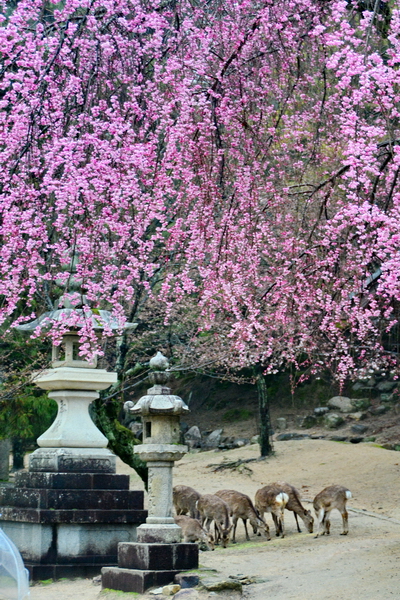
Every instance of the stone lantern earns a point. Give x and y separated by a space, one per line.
158 554
68 513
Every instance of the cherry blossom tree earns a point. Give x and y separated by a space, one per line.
242 157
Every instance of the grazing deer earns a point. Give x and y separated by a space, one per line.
192 531
215 509
272 499
184 499
296 506
241 507
333 496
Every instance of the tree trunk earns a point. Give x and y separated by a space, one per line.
5 447
266 448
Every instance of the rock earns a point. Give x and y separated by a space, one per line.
170 590
186 580
359 385
226 584
341 403
347 405
378 410
308 422
317 437
372 438
333 420
214 439
239 443
360 403
284 437
386 397
357 416
386 386
358 428
356 440
321 410
188 594
338 438
193 437
156 591
96 580
281 424
255 439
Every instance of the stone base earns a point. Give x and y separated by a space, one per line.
72 460
132 580
159 533
70 524
142 566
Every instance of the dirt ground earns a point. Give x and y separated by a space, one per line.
365 564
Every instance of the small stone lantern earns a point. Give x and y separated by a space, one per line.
158 555
160 411
73 442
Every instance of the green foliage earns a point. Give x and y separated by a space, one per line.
25 410
121 440
237 414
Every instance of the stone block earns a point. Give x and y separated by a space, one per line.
72 481
163 557
133 580
70 499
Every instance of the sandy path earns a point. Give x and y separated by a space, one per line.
365 564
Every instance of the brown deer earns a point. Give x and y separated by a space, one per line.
272 499
192 531
241 507
296 506
333 496
184 499
215 509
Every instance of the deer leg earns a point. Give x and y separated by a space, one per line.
297 522
282 523
327 523
277 524
234 521
345 517
245 528
321 517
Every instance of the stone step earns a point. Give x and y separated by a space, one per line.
71 499
72 481
45 516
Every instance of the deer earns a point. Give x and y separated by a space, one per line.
213 508
333 496
241 507
184 499
192 531
296 506
272 499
